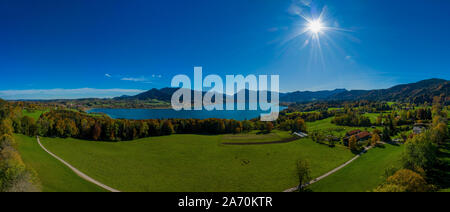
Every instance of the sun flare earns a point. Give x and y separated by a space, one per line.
315 26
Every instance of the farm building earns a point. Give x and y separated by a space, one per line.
360 136
354 132
419 128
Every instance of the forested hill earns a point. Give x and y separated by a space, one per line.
307 96
164 94
418 92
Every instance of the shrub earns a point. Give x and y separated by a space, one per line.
404 180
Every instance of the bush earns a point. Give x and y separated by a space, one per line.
420 151
404 180
13 173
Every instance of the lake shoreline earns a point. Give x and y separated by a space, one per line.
169 113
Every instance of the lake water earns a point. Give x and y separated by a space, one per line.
141 114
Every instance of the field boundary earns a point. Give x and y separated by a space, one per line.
78 172
286 140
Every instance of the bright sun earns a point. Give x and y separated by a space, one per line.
315 26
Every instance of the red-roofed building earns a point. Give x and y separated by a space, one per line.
360 136
354 132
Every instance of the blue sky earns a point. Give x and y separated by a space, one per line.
86 48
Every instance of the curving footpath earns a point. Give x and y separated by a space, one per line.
78 172
328 173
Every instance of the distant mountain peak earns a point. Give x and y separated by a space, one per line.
420 91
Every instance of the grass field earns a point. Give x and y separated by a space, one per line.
54 176
256 137
364 174
390 103
195 163
445 190
335 108
372 116
323 124
35 114
326 125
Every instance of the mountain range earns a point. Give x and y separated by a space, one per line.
419 92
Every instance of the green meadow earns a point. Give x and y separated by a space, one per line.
372 116
34 114
364 174
195 163
325 125
53 175
203 163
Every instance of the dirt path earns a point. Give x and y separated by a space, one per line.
330 172
78 172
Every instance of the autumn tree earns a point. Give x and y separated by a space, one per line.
375 139
353 143
167 128
6 140
6 127
404 180
303 172
71 129
269 127
60 128
28 126
420 151
14 175
143 129
379 120
299 125
96 132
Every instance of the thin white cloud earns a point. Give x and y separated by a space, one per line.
273 29
66 93
299 7
156 76
134 79
108 75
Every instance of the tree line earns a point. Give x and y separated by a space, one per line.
15 176
351 118
65 123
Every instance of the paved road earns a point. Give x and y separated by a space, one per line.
78 172
329 173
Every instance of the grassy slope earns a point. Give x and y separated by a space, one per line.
325 124
364 174
195 163
390 103
372 116
35 115
54 176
